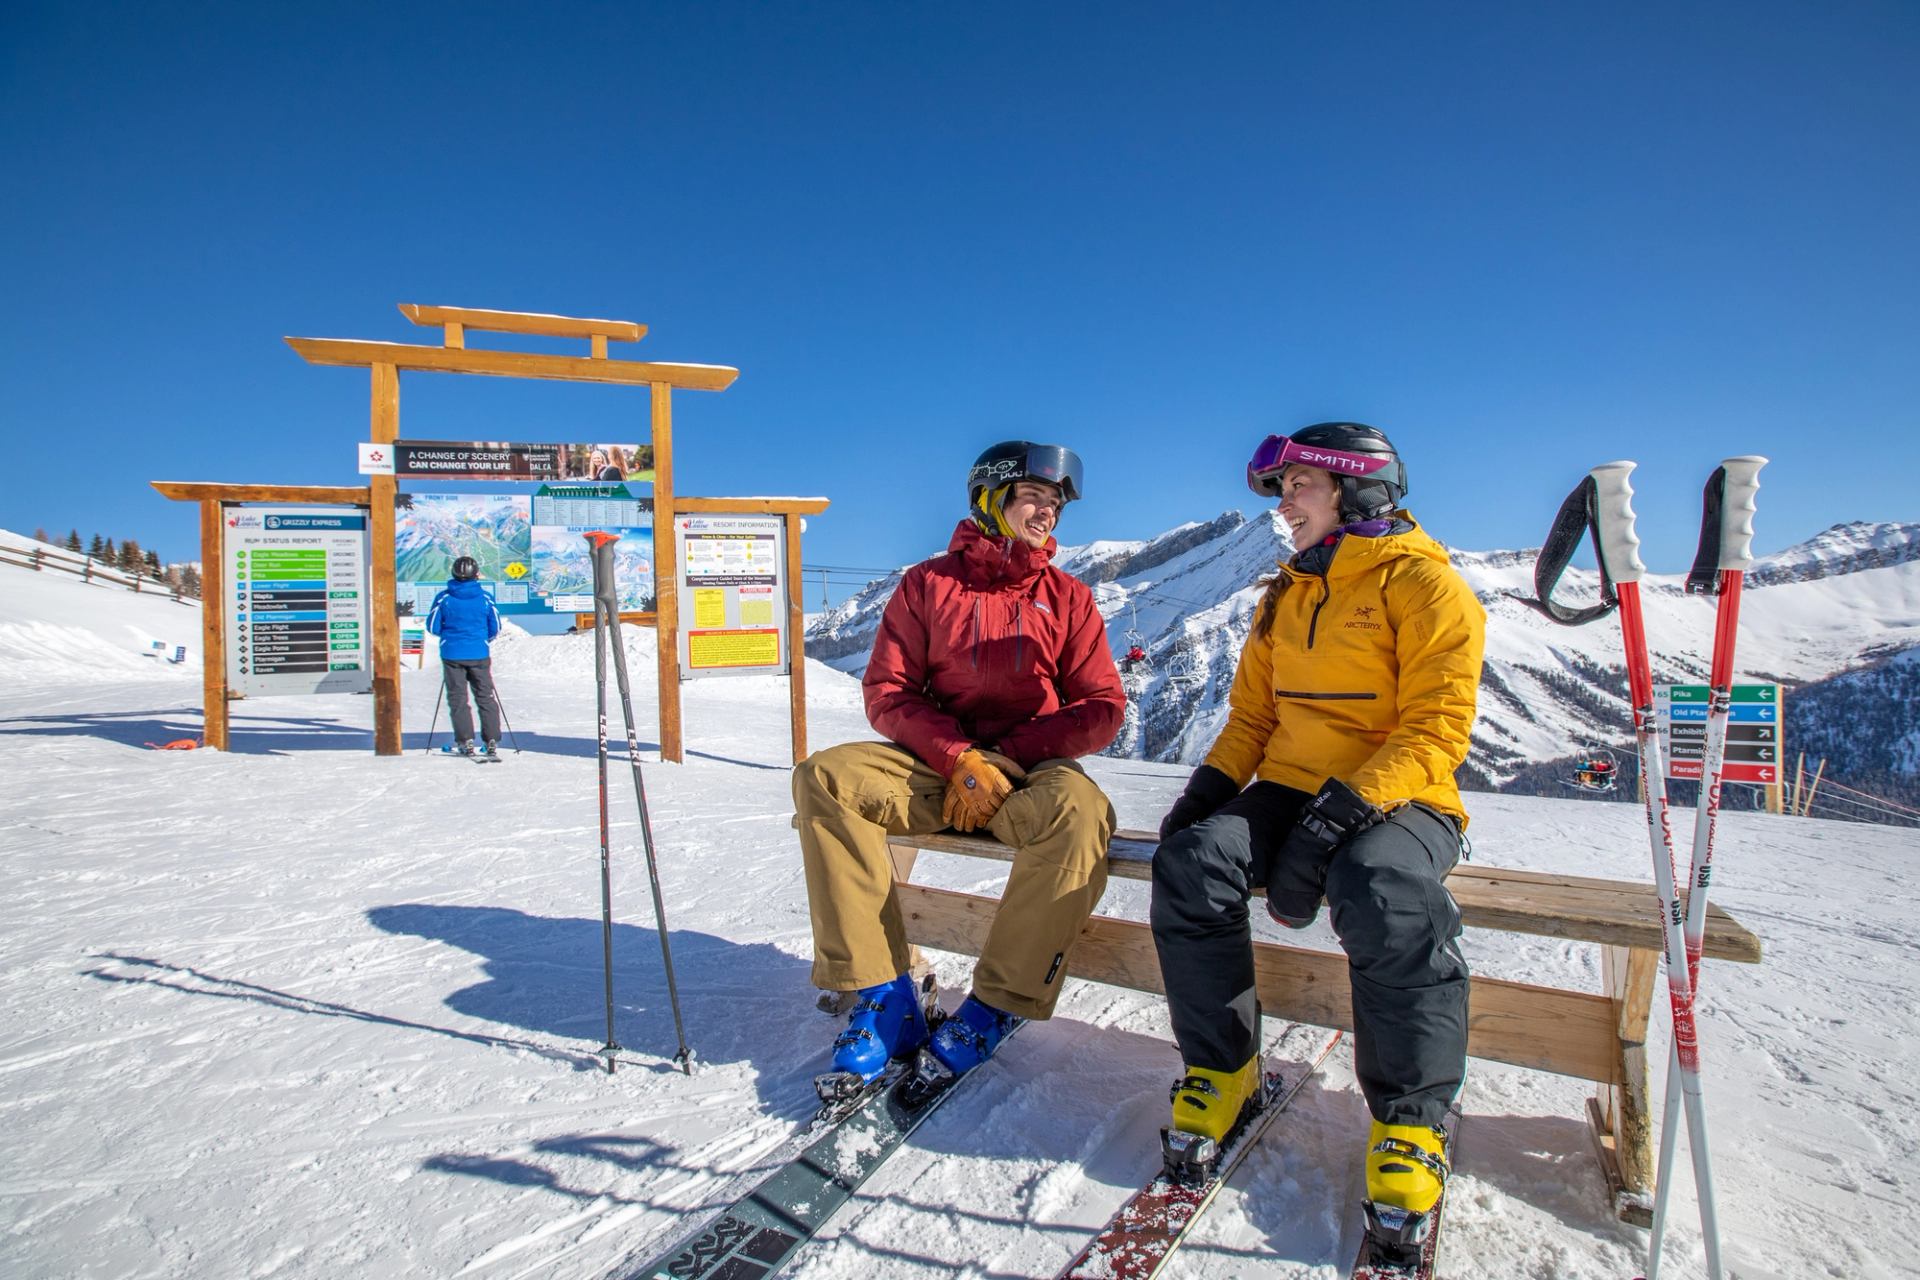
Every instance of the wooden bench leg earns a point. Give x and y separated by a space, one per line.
903 860
1618 1113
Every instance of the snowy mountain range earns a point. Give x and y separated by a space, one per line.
1824 618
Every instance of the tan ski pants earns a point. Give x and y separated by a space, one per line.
850 798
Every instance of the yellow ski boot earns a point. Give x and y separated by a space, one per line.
1406 1166
1406 1174
1207 1108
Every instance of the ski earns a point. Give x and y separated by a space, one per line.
759 1233
475 756
1146 1231
1379 1261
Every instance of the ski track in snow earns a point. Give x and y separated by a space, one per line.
299 1011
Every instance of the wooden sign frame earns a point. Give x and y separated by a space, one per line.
385 361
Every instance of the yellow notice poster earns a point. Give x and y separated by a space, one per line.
710 607
733 648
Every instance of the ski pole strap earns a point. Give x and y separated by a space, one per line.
1704 578
1577 517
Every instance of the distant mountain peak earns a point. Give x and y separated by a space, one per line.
1845 548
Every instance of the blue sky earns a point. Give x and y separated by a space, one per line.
1522 239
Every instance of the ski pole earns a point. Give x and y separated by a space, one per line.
1612 498
606 604
434 724
505 719
612 1046
1719 567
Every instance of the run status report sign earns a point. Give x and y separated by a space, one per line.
733 601
297 600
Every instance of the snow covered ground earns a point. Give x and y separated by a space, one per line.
297 1010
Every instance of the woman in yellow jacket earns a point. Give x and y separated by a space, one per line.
1351 708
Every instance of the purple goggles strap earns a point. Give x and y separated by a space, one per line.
1275 453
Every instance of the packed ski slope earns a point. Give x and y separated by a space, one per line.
300 1011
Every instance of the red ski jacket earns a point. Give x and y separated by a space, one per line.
990 644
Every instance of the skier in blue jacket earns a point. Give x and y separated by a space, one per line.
464 618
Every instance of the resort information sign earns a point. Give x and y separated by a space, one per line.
296 616
733 595
1754 748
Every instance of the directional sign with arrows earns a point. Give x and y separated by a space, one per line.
1754 731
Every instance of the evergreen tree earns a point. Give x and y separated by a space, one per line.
153 565
129 559
73 541
110 553
97 548
189 581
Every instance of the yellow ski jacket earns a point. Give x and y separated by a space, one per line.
1368 674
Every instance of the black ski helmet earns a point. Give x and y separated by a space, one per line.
466 569
1373 479
995 471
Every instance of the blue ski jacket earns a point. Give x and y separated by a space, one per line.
464 618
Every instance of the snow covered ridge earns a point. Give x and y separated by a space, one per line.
58 629
1837 603
1845 548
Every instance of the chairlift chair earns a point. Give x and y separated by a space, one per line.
1596 769
1181 669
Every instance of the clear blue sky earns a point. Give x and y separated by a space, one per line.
1522 239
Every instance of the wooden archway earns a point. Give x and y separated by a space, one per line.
386 360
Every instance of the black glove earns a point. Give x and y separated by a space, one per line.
1207 790
1299 877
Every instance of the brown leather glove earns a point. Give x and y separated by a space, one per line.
980 783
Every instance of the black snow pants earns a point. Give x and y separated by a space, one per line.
1392 914
478 672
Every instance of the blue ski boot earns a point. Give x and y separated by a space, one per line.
887 1022
970 1036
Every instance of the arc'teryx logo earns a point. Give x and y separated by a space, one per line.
1362 619
1363 611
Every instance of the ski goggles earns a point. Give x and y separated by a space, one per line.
1048 463
1276 453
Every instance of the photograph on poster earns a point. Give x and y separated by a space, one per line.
609 462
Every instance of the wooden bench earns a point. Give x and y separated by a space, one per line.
1600 1036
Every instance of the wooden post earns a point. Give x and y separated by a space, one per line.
666 573
213 630
385 618
1619 1111
1819 773
796 641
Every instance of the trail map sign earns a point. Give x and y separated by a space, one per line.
1754 745
531 551
298 620
734 592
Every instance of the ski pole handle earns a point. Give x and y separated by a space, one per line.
1736 511
1613 512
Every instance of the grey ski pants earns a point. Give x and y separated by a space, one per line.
478 672
1392 914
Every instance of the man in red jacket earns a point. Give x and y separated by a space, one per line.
989 674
